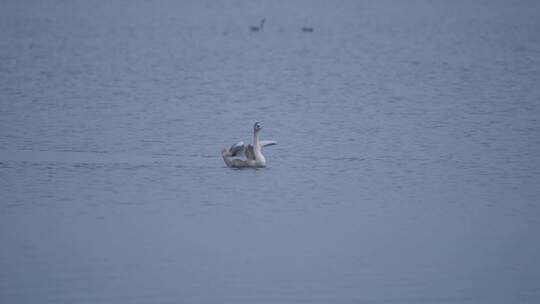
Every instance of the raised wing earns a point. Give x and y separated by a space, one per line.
237 149
266 143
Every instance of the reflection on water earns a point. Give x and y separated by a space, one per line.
407 168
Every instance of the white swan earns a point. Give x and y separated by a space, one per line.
253 152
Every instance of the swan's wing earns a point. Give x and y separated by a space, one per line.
266 143
237 149
249 152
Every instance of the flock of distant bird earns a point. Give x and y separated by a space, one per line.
255 28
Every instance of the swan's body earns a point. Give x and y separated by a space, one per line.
252 152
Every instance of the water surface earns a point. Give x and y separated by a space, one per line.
407 169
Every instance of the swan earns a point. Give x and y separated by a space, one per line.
252 152
254 28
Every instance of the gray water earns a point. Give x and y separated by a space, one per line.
407 170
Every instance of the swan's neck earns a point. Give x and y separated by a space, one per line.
256 141
260 161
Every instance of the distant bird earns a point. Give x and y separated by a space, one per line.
253 153
307 29
254 28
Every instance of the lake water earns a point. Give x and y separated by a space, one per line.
407 170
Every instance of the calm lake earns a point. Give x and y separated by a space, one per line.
407 168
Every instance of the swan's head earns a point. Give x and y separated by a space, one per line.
257 127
